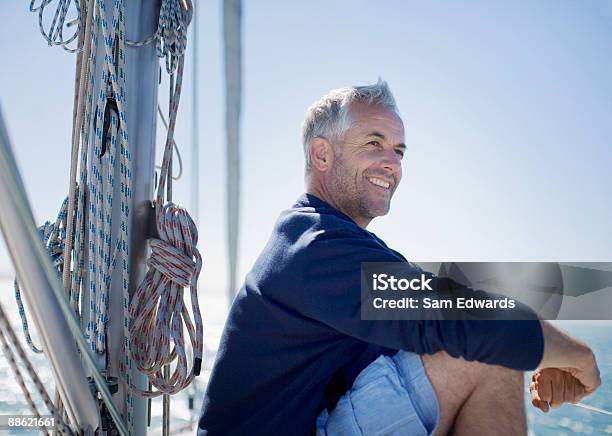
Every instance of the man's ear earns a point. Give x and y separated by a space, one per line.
321 153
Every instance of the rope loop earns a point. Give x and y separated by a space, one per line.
54 35
171 263
174 18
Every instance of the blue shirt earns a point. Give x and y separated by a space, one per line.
294 340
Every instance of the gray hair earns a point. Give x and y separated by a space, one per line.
330 117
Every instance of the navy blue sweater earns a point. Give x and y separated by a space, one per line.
294 340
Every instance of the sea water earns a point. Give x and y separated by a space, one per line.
567 420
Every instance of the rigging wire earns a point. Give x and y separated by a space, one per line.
581 406
7 330
176 148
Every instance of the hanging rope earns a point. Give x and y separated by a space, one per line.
53 236
7 330
108 148
110 173
157 310
170 36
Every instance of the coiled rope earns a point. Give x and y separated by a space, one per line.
157 310
54 35
170 35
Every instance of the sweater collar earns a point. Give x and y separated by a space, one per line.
309 200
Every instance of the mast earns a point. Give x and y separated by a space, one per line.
142 81
232 11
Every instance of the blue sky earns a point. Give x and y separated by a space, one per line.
507 107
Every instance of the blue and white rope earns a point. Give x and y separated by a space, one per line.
108 150
55 33
106 248
170 36
53 236
174 18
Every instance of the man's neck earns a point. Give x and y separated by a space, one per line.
323 194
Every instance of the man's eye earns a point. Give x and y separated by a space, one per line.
400 152
374 143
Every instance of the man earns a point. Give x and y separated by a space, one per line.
296 357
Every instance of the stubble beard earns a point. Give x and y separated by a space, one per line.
352 200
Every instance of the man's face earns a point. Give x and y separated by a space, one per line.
367 165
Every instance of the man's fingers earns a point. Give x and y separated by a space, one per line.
544 388
535 400
558 392
569 388
543 406
579 393
551 387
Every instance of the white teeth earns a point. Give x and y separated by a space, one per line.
380 183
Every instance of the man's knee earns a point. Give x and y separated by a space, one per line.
457 381
468 374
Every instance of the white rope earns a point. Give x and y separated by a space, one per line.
110 151
107 147
110 167
117 75
158 311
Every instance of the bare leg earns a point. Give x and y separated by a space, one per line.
476 398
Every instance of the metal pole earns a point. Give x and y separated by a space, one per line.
142 82
232 10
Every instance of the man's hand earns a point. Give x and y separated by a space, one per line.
568 371
551 387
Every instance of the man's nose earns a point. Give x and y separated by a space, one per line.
392 162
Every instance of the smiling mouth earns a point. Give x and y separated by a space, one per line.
379 183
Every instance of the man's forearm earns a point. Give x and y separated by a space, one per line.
564 351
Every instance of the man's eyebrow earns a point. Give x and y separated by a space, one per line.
381 136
